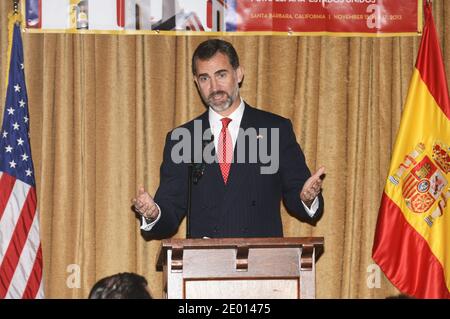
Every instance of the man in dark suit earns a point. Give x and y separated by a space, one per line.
238 193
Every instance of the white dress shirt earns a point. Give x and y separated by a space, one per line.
216 124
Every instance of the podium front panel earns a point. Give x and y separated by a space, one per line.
263 288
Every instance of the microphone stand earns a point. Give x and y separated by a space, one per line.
189 202
195 172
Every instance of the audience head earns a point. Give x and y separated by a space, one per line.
121 286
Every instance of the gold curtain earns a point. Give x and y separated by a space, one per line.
101 105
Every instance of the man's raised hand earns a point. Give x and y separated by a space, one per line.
145 205
312 187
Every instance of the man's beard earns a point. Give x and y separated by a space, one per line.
221 106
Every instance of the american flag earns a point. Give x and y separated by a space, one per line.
20 244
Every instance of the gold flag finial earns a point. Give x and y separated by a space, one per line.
13 18
16 7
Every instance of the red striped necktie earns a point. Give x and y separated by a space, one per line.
225 149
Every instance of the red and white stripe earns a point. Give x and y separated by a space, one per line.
20 244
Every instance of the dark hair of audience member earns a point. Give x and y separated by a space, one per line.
121 286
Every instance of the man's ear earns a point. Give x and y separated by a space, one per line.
240 73
195 80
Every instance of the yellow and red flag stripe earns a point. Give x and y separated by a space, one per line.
412 238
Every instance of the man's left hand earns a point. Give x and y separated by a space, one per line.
312 187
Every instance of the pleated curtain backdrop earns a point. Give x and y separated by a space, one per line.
101 105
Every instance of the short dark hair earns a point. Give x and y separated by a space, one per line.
209 48
121 286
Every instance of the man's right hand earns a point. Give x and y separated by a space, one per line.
145 205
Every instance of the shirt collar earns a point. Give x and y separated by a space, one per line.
236 116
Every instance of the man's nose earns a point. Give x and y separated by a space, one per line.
213 85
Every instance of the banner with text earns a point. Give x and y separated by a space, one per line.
265 17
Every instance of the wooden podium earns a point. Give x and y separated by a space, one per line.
239 268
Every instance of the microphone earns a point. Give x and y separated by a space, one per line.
198 169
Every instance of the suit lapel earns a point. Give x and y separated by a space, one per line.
239 171
212 171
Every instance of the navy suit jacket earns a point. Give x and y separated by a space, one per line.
249 204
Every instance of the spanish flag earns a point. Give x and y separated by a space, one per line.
412 238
